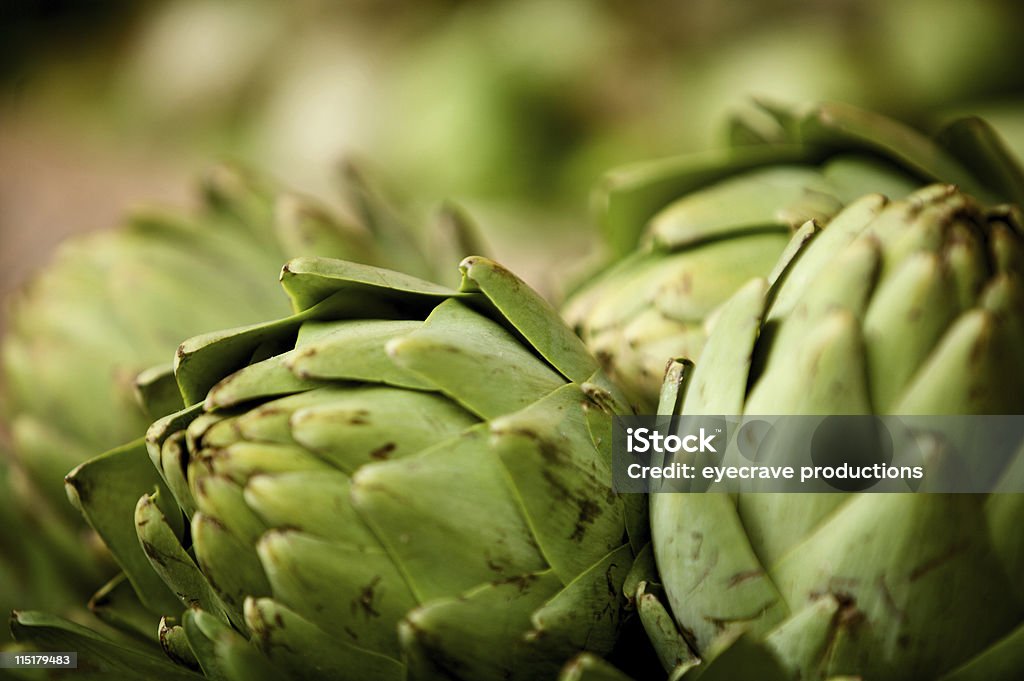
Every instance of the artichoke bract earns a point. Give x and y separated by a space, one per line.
116 302
689 231
912 307
399 480
110 305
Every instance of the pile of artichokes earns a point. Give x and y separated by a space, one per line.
407 480
101 323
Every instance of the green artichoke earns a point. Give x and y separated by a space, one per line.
690 230
910 307
116 302
399 480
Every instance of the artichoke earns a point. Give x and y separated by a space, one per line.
690 230
114 303
911 307
399 480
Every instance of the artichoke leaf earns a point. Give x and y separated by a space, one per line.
306 652
465 354
387 494
531 316
106 490
171 562
98 657
222 652
561 484
459 634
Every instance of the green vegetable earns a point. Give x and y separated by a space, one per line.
114 303
913 306
691 230
398 480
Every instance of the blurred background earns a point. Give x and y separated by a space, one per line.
511 108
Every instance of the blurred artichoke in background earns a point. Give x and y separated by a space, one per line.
534 89
1005 115
538 96
400 480
690 230
116 302
913 306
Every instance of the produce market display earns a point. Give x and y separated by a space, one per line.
752 413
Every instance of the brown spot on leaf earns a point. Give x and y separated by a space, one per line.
613 589
364 601
522 582
383 452
698 540
359 418
588 513
152 553
741 577
937 561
